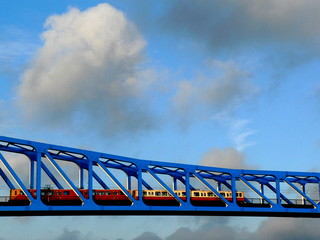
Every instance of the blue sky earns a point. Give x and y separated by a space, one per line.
232 84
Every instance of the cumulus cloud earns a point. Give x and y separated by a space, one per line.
88 73
288 229
210 93
270 228
225 158
290 27
147 236
209 228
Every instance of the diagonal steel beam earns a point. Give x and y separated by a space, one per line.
15 177
165 186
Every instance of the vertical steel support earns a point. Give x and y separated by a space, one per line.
187 185
140 193
81 178
38 174
262 192
278 191
129 182
234 189
90 176
31 173
303 187
175 186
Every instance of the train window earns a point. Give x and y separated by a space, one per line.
210 194
183 193
158 193
66 193
223 194
196 194
144 193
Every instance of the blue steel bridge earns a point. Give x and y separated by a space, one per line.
27 166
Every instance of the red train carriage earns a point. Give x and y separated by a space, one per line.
69 197
51 196
110 197
48 196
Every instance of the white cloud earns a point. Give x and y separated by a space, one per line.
211 94
227 26
86 75
225 158
16 46
239 133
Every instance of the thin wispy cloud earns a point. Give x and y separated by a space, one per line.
240 132
16 47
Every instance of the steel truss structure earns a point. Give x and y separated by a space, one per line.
26 165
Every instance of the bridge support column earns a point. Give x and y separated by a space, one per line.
81 178
129 183
262 192
303 187
175 185
32 171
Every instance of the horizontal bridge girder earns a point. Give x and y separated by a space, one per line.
68 181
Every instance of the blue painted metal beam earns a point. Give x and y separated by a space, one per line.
267 187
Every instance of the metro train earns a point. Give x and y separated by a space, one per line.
51 196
